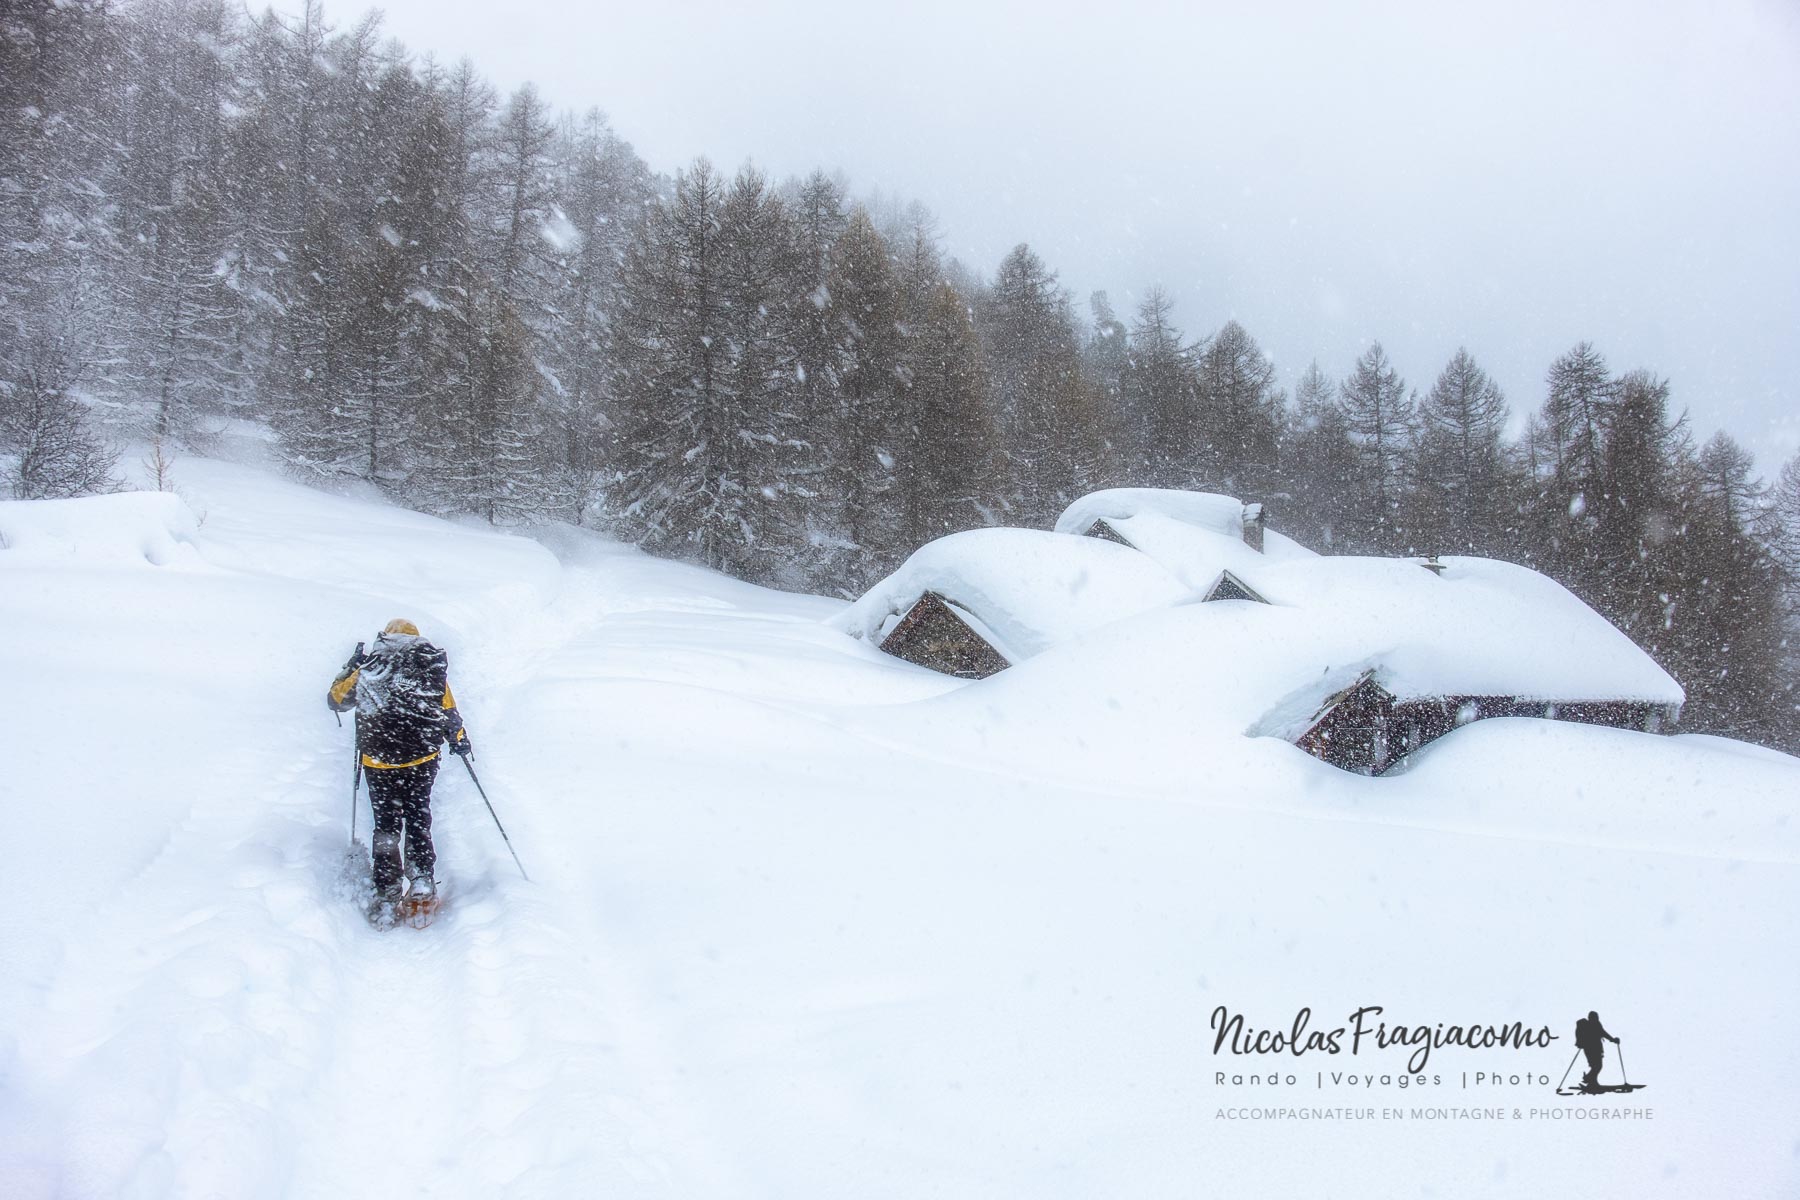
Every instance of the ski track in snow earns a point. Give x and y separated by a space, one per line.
773 944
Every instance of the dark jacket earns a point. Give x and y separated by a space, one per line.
1589 1033
401 694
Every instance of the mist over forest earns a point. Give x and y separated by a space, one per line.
480 305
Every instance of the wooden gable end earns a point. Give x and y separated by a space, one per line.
1103 530
1352 728
1229 587
931 635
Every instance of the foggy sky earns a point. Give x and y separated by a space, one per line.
1514 177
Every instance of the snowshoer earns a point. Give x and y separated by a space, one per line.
404 714
1589 1034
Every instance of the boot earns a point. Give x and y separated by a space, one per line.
390 881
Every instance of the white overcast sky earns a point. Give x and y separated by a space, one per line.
1514 177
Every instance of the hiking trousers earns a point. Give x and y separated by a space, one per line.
400 798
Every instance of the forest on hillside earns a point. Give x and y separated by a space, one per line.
480 305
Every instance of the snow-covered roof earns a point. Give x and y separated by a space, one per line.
1192 535
1029 588
1204 510
1479 628
1195 554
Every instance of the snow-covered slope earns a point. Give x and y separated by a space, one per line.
806 921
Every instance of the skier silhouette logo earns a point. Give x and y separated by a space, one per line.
1590 1039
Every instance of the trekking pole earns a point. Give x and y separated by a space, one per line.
1567 1069
355 787
356 777
356 753
496 816
1619 1049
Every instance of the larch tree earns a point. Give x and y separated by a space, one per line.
175 361
1165 443
1104 357
60 259
1731 623
669 362
602 191
765 467
1379 415
862 461
1322 463
1239 408
947 440
1459 467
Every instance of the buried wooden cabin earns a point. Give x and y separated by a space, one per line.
973 603
1364 728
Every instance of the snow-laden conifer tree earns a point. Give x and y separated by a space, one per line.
863 475
174 351
59 253
1458 474
602 189
1319 465
1238 406
1379 415
1047 432
946 435
1165 442
668 361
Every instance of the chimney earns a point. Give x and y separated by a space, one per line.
1253 527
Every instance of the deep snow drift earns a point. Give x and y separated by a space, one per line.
806 920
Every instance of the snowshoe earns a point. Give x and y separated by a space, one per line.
382 905
382 912
1599 1089
421 903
